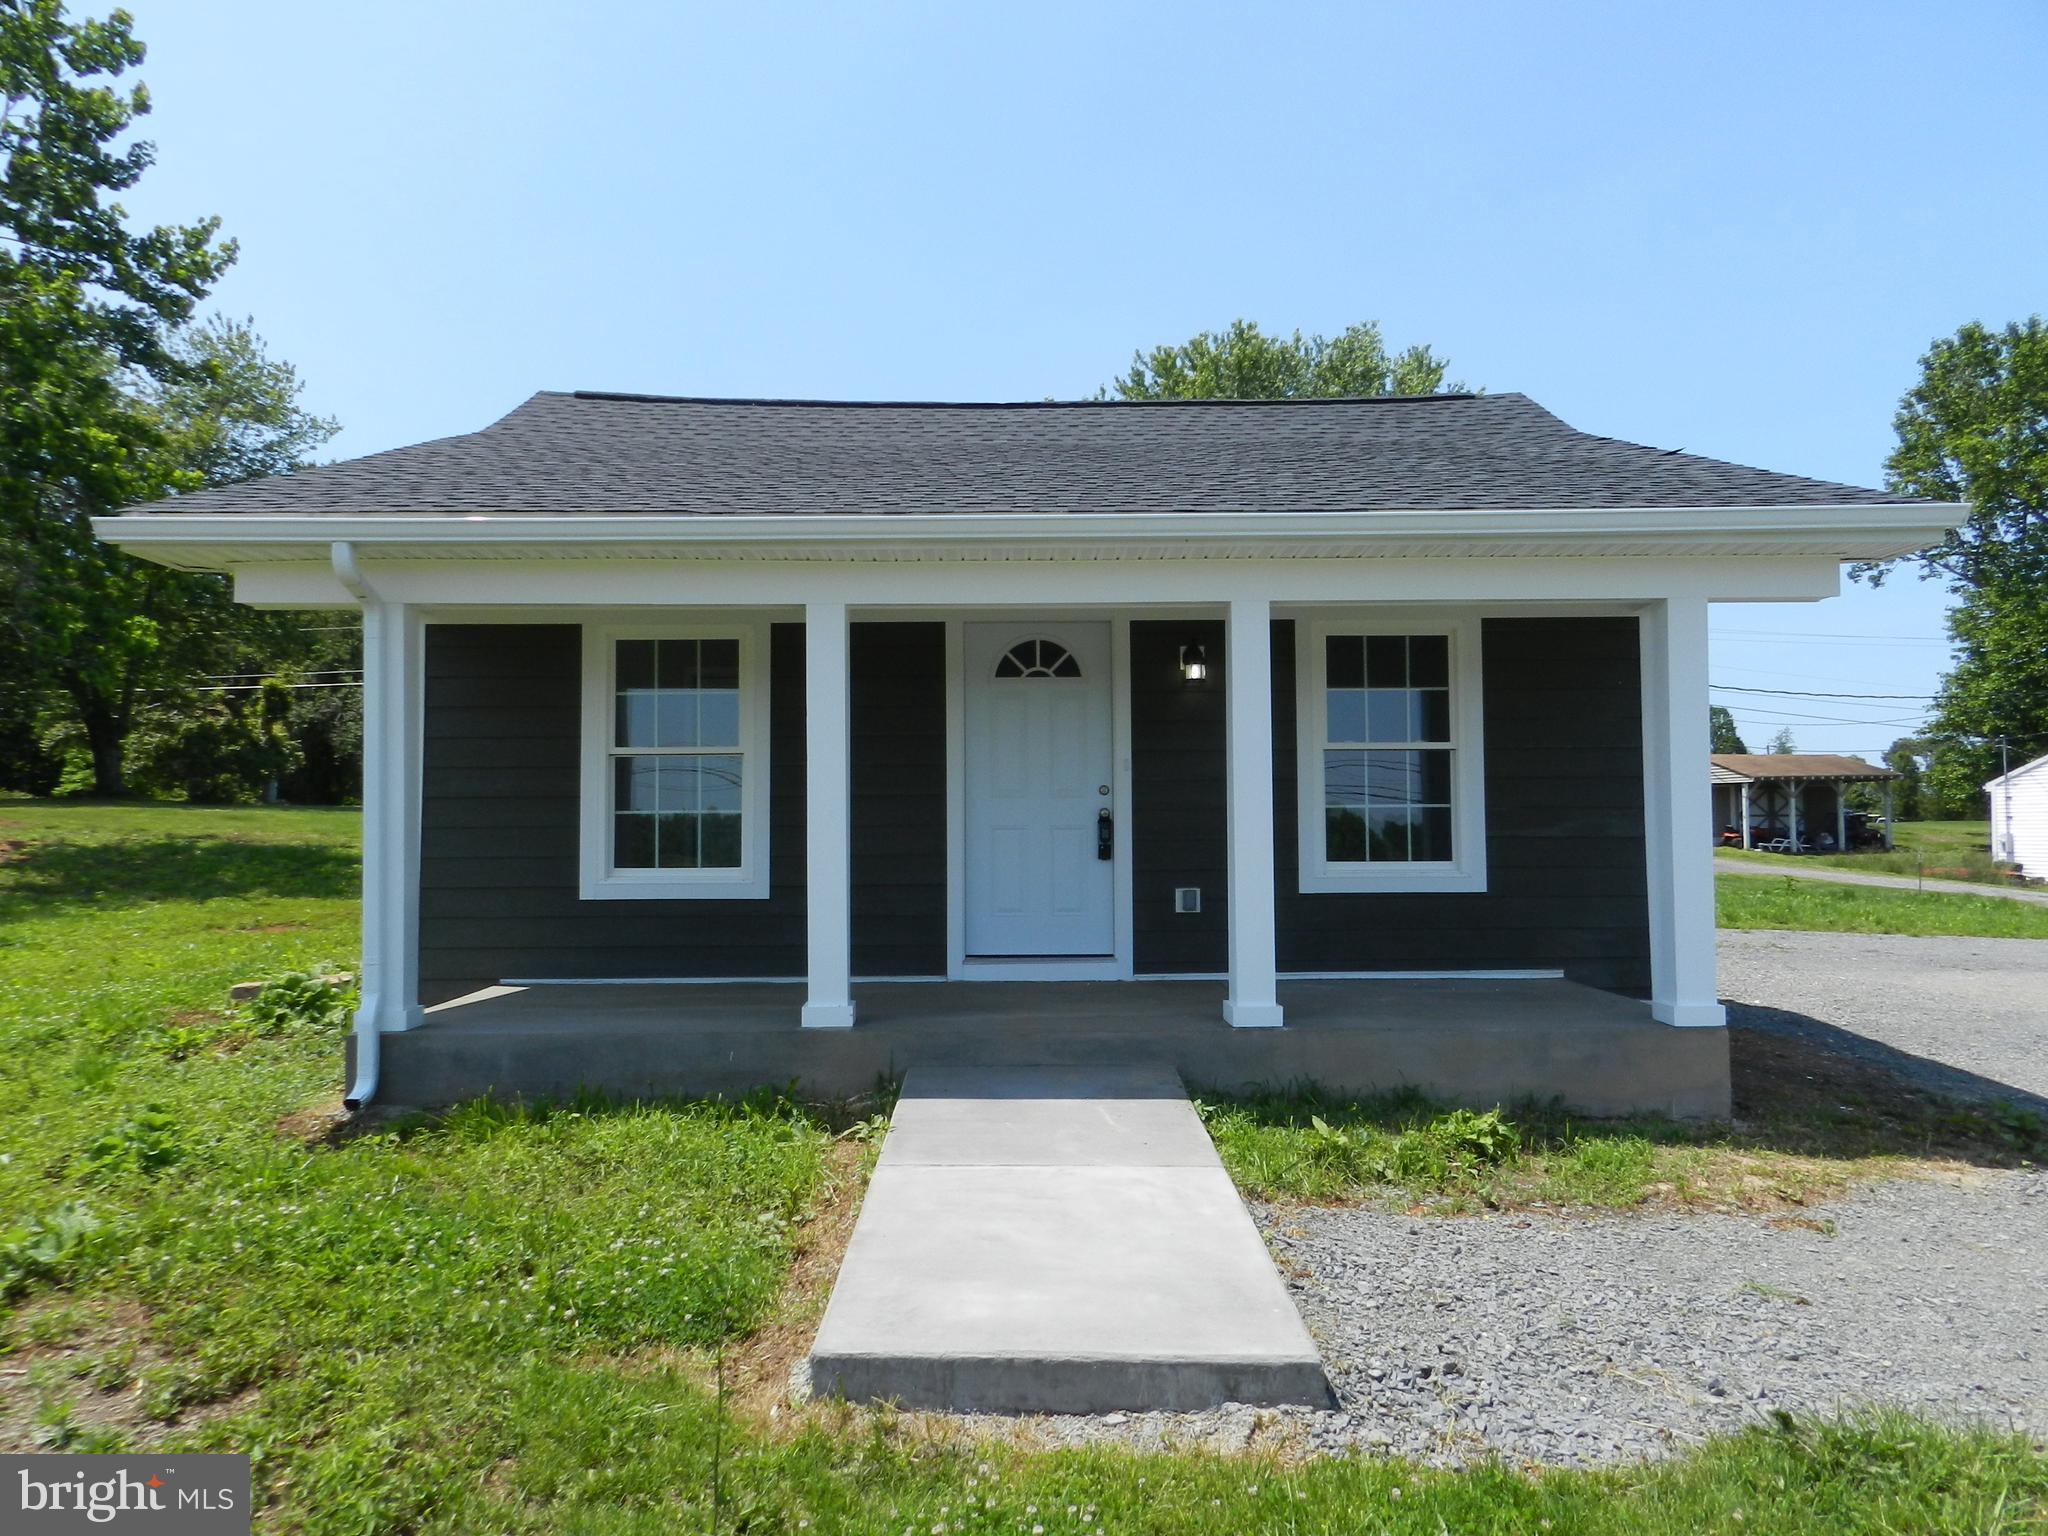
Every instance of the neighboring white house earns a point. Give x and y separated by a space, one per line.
2019 817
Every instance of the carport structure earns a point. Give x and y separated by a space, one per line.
1774 794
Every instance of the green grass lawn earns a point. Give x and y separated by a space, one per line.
506 1321
1946 850
1752 901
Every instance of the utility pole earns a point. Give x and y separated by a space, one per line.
2005 789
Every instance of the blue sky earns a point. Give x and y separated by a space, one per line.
1730 228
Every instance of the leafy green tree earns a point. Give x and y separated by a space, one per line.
1721 733
1782 742
1975 429
110 394
1906 757
1243 363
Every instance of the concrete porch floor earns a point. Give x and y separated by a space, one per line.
1463 1040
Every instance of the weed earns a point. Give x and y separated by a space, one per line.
145 1143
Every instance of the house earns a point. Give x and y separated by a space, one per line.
2019 817
1796 800
720 742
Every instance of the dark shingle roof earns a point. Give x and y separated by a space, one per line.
603 453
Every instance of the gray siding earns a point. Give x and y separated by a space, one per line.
498 886
1564 819
498 836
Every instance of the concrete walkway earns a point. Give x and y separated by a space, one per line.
1792 866
1057 1240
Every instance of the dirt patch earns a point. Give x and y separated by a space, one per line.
77 1375
13 850
269 928
322 1124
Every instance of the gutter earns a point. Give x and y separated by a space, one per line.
369 1039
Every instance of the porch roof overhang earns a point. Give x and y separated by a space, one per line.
226 542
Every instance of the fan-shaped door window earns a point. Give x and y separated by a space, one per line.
1038 658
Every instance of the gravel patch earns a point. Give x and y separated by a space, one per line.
1562 1341
1963 1017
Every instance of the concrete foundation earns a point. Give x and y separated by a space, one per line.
1057 1240
1464 1041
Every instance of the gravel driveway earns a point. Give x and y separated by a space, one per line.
1571 1341
1574 1341
1963 1017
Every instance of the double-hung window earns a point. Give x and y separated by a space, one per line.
675 762
1391 781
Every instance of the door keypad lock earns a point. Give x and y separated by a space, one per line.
1105 834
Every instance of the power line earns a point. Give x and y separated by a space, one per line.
1815 693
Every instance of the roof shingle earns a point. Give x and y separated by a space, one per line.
622 454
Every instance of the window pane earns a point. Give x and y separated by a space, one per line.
1347 714
1429 661
633 842
636 664
634 783
1344 778
1433 777
678 841
1344 657
1344 834
675 718
1432 714
1386 835
1386 661
677 664
721 842
1430 834
636 723
1390 778
718 718
718 664
1386 714
718 782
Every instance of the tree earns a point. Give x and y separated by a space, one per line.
1721 733
1975 429
108 395
1782 742
1243 363
1909 790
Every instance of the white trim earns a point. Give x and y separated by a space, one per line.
1046 581
1467 870
596 879
828 817
1252 1002
1857 531
1046 968
1679 859
394 651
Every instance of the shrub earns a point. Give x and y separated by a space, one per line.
146 1143
44 1248
301 1000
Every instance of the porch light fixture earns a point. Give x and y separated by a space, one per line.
1194 663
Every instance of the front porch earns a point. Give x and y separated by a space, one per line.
1466 1040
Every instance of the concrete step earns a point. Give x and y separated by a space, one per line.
1057 1240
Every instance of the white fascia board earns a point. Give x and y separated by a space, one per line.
1111 585
218 541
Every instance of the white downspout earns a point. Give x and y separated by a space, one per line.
369 1042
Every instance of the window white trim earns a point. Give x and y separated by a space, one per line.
598 880
1466 871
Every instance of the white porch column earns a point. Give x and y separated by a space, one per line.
1794 802
1745 815
828 800
1681 863
1254 1001
393 643
1841 817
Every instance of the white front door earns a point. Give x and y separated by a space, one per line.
1038 754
